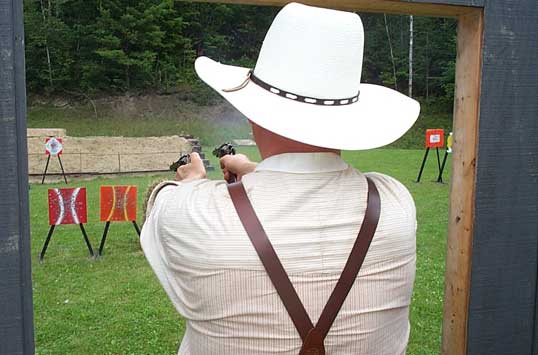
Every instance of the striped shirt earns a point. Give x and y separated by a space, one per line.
311 206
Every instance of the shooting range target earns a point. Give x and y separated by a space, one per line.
67 206
118 203
435 138
53 146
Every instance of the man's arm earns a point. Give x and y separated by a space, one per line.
195 170
238 165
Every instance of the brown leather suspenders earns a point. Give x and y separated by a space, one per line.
313 337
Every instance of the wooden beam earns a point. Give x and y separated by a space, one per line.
381 6
462 191
16 311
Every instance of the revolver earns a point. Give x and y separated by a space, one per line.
183 160
222 150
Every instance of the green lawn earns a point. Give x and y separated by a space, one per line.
114 305
80 120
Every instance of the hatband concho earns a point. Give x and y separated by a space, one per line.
288 95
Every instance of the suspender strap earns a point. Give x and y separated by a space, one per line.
270 260
312 336
354 261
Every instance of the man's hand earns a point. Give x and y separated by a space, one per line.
192 171
238 165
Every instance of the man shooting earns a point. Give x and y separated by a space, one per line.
268 265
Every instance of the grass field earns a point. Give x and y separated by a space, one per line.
214 125
114 305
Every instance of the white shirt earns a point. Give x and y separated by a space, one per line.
311 206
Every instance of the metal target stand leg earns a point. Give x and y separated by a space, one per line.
136 228
438 161
49 236
105 234
46 245
47 167
45 171
103 239
423 164
62 167
88 244
440 177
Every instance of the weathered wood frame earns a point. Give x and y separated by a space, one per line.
16 309
491 302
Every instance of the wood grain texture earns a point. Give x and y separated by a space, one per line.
440 8
16 319
461 213
505 245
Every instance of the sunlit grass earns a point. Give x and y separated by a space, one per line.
114 305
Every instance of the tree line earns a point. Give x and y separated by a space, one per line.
114 46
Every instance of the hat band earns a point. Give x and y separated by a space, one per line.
292 96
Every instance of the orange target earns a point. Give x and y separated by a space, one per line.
435 138
118 203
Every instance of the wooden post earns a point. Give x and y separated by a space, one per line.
462 189
16 314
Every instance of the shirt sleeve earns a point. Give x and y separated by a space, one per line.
398 193
160 188
150 238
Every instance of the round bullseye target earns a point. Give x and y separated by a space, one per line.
53 146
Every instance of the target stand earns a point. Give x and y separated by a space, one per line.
449 142
53 147
67 206
117 204
49 235
105 233
434 139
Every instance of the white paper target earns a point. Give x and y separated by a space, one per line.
53 146
435 138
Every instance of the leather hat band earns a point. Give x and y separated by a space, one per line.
292 96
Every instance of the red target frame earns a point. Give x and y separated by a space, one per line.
435 138
67 206
117 204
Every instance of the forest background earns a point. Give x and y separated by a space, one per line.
91 48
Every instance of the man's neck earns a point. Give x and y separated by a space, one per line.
267 152
270 144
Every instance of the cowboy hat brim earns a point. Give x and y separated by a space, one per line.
379 117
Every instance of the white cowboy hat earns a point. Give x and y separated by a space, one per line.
306 84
